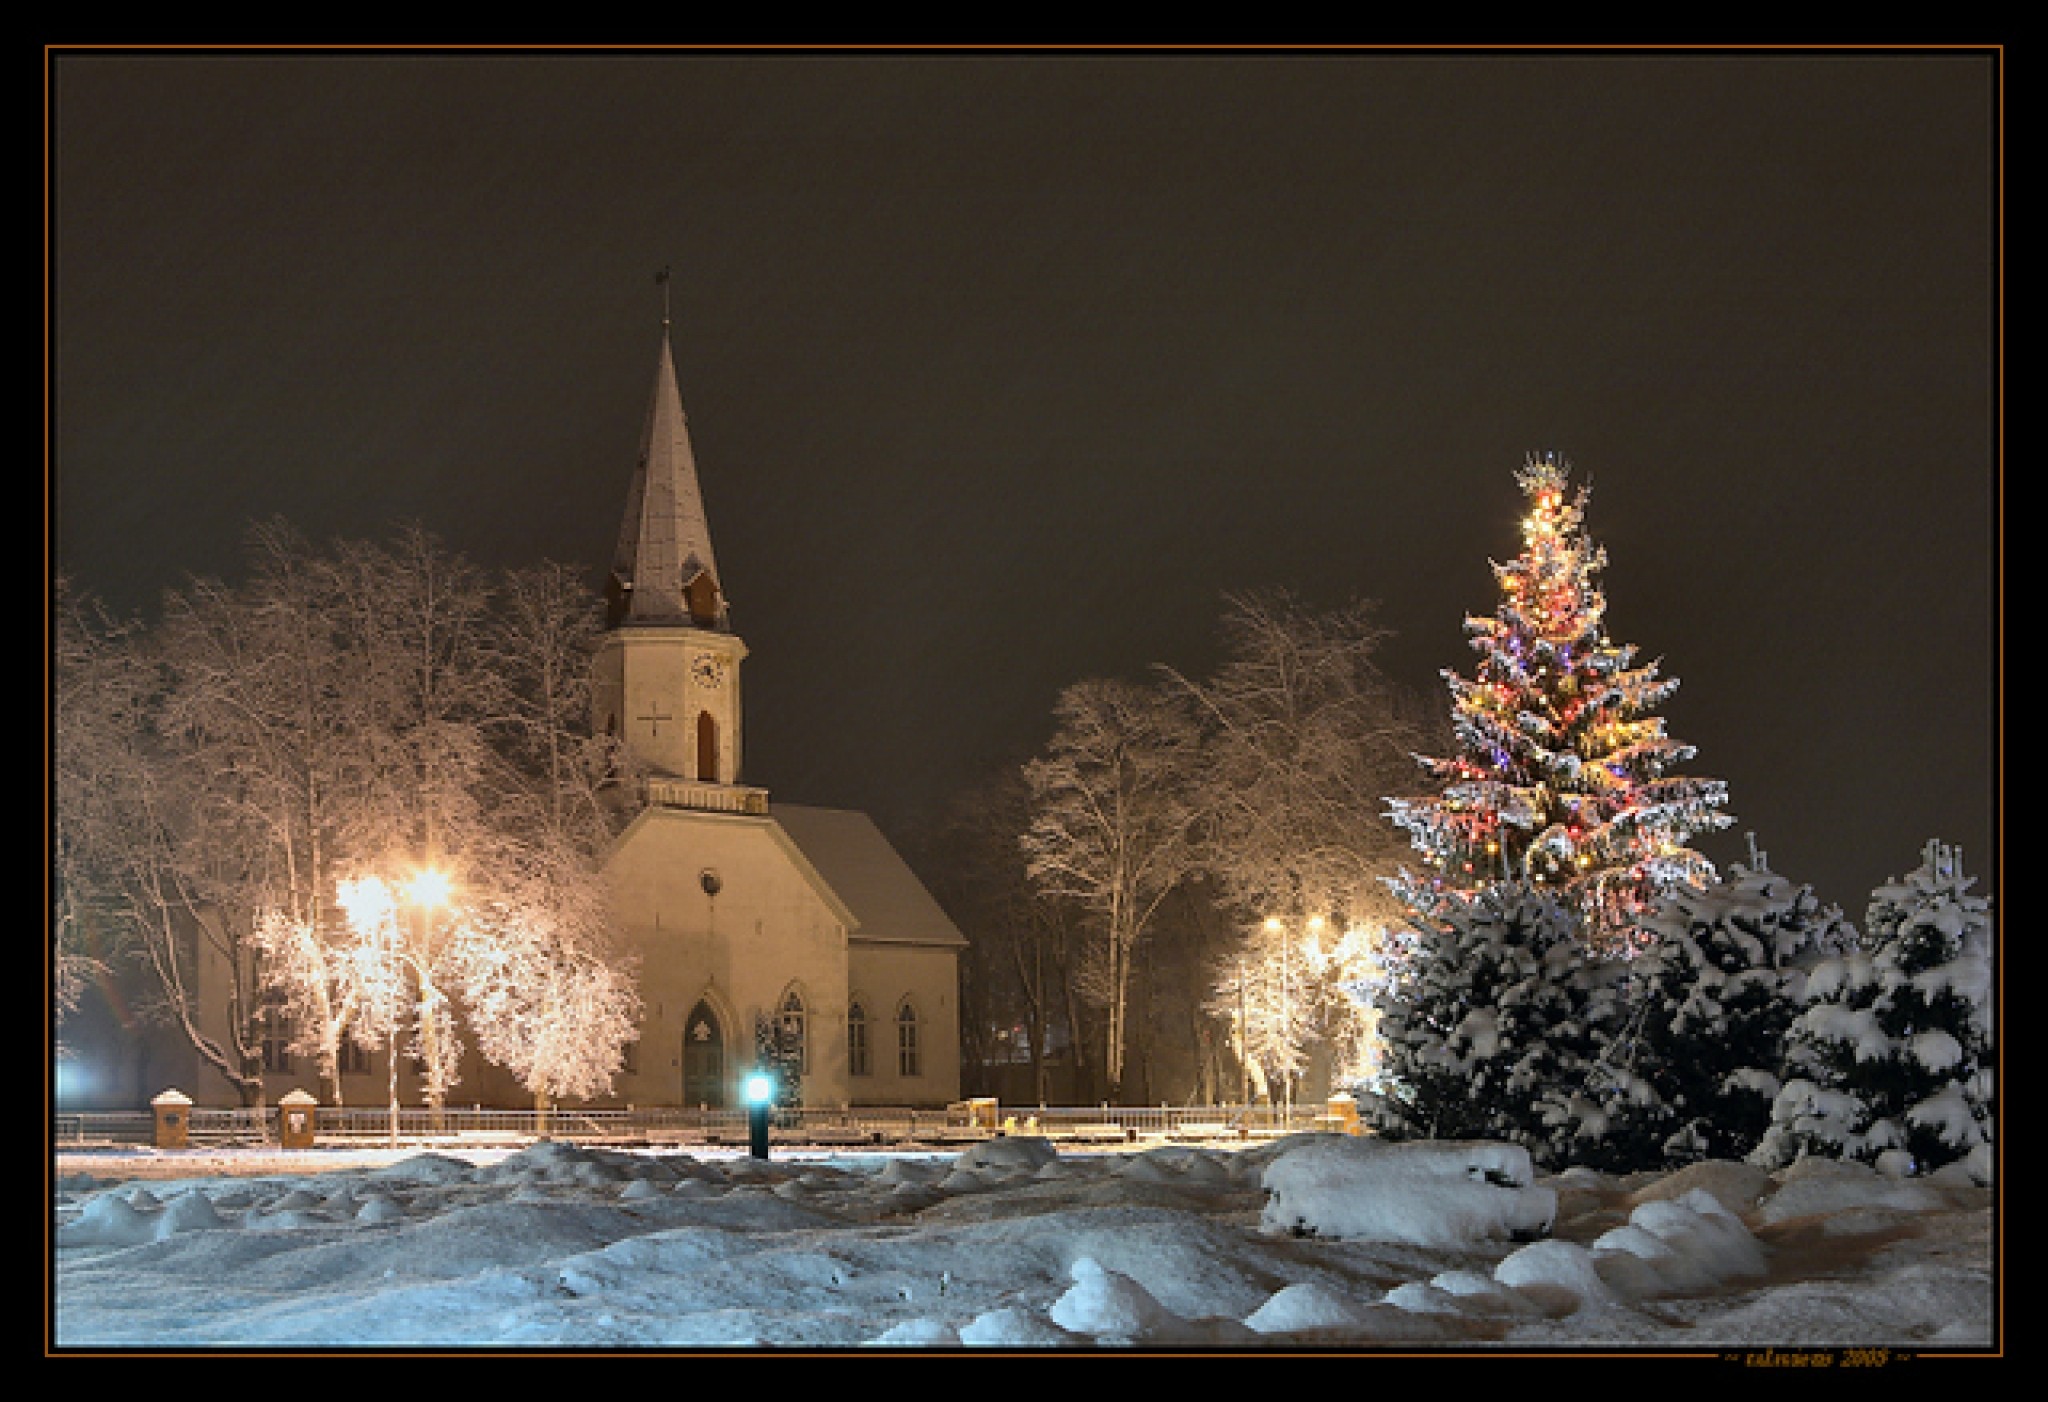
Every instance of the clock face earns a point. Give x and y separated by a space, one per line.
707 671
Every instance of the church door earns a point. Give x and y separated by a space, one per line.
703 1059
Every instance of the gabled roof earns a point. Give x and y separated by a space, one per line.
885 895
653 818
665 539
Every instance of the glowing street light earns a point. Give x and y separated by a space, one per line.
759 1092
430 891
428 888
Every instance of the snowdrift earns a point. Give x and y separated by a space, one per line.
1316 1242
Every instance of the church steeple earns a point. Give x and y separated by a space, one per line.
663 571
666 680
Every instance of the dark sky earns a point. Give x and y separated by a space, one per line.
1001 368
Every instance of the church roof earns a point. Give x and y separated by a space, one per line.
665 539
868 875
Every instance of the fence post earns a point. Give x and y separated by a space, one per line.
297 1119
173 1119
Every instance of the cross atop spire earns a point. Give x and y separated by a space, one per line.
663 571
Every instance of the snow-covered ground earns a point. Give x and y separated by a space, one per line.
1318 1242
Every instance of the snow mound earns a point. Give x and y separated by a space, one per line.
1739 1187
1422 1194
114 1220
1689 1244
1007 1156
1012 1327
1112 1309
1306 1306
1559 1276
1106 1304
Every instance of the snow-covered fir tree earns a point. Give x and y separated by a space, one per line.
1493 1025
1564 772
1692 1072
1890 1062
778 1053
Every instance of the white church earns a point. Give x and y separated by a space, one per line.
737 909
733 910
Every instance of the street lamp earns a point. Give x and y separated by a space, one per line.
428 888
427 892
759 1092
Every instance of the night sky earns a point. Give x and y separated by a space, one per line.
1002 368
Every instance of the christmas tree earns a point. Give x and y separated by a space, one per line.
1564 771
1891 1060
1492 1026
1712 1001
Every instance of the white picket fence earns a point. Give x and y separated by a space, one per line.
882 1127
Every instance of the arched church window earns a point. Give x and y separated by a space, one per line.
703 1059
707 747
859 1060
790 1020
700 595
275 1023
909 1055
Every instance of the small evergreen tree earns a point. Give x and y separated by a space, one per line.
1492 1026
778 1053
1890 1061
1693 1072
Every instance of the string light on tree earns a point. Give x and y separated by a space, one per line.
1565 773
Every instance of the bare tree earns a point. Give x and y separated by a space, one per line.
1018 969
372 717
546 987
539 641
412 618
1301 735
548 1002
255 749
102 688
1111 828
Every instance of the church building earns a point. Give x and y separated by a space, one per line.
737 910
741 917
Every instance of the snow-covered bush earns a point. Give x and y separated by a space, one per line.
1493 1026
1693 1070
1441 1194
1890 1060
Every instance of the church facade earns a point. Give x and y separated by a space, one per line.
740 913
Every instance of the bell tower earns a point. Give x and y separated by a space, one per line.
667 672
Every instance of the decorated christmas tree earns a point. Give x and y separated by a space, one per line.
1564 775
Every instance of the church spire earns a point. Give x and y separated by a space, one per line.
663 571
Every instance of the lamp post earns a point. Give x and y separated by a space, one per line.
759 1092
427 892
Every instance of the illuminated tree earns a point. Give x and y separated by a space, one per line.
1110 829
1301 732
1288 990
348 717
1563 775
